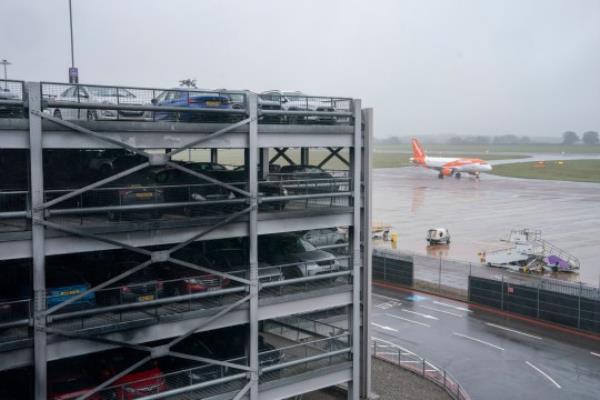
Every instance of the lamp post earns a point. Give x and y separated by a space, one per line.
73 71
5 63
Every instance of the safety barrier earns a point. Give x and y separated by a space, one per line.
401 357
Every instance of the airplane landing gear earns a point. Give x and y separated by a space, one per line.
457 175
441 175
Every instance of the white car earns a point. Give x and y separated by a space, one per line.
98 94
298 101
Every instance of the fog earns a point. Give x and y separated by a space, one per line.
427 67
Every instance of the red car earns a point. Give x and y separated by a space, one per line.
140 384
69 386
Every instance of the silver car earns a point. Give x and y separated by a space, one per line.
298 101
98 94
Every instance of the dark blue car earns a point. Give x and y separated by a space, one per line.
196 100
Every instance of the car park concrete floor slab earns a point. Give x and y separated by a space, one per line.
480 212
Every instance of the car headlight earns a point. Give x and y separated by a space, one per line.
284 191
129 389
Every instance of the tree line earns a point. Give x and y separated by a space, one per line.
589 138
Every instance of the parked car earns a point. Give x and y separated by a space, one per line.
70 384
63 283
284 249
179 281
143 285
111 161
135 189
238 101
235 260
98 94
326 237
298 101
144 381
10 110
193 99
311 180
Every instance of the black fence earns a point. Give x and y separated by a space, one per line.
392 267
565 303
572 304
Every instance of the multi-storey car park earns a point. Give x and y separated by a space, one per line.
132 267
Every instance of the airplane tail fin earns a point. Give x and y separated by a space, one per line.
418 152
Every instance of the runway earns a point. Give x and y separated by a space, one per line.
492 357
479 213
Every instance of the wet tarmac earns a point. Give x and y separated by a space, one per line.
492 357
479 213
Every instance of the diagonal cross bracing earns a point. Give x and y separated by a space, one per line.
334 153
281 153
207 178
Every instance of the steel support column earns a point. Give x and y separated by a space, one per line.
253 241
37 240
304 156
353 392
367 253
264 163
214 156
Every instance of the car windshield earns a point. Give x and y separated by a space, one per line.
109 92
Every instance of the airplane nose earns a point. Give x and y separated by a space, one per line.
488 167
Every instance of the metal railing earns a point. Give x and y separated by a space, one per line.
209 379
154 300
155 201
12 104
404 358
111 103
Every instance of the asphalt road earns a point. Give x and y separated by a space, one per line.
492 357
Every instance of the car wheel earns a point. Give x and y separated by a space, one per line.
57 114
105 170
92 116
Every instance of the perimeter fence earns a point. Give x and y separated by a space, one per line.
574 304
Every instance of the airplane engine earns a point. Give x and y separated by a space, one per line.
446 171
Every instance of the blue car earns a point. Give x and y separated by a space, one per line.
196 100
63 284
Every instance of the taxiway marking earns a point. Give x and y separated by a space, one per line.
385 328
513 330
478 341
439 303
408 320
426 316
545 375
442 311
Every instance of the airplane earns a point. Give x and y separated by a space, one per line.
448 166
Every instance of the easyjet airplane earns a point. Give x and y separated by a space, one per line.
448 166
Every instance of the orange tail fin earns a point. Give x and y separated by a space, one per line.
418 152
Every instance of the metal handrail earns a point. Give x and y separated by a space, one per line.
424 368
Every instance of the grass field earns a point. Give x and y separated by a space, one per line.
444 149
572 170
380 160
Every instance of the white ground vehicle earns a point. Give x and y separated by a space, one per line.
98 94
438 236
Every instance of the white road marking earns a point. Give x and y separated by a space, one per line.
594 354
388 305
408 320
386 297
513 330
442 311
426 316
385 328
545 375
439 303
478 340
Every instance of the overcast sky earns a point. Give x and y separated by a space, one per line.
426 66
